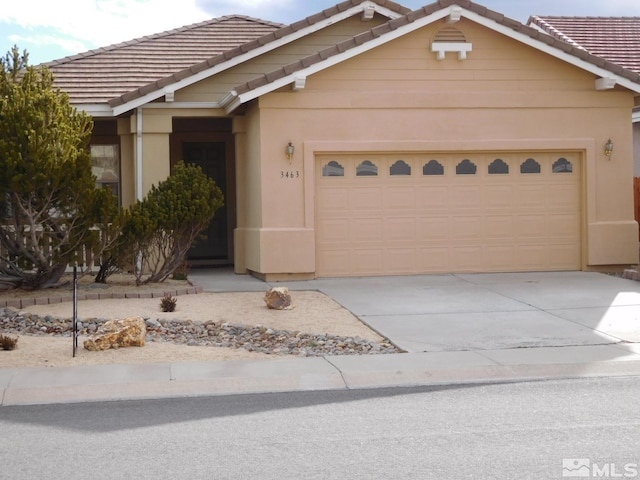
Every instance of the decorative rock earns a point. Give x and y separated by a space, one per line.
126 332
152 323
278 298
256 338
632 274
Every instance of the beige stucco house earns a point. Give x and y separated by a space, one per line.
372 140
616 39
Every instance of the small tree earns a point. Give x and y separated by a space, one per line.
114 253
161 228
48 197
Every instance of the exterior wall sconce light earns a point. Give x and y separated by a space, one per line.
608 149
289 150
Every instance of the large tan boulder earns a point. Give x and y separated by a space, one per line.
278 298
126 332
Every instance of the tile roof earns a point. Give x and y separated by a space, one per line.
426 11
99 75
128 70
615 38
251 45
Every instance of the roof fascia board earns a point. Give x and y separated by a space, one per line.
331 61
177 105
553 51
138 102
150 97
102 110
95 109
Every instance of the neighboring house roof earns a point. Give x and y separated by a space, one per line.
98 76
615 38
417 19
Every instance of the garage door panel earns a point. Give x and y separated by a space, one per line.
399 198
367 261
433 229
563 197
466 258
498 197
432 198
433 259
365 199
564 226
531 197
499 228
335 199
465 227
366 230
531 226
563 255
467 197
400 229
400 260
532 257
332 262
528 219
333 231
499 258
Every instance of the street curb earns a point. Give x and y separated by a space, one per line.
106 383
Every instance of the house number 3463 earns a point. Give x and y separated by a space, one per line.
290 174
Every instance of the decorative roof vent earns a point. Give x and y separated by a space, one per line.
450 35
450 39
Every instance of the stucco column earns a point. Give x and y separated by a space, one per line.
157 127
239 130
127 162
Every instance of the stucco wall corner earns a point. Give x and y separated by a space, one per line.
613 243
287 250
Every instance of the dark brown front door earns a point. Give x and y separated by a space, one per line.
213 244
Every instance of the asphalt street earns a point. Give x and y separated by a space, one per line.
484 431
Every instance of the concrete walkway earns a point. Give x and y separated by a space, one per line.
455 328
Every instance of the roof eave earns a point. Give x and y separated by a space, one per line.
546 47
183 79
95 109
556 51
251 94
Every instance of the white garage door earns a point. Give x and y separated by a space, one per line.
407 214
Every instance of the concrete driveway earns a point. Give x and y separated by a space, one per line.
427 313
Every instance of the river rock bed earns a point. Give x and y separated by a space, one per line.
186 332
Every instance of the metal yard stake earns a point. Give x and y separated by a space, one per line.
75 310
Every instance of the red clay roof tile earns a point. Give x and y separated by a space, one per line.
616 39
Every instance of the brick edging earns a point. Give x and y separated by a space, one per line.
27 302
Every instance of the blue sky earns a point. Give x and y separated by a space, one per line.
50 29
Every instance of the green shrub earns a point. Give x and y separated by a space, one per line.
49 202
161 228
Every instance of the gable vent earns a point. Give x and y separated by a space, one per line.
450 35
450 39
